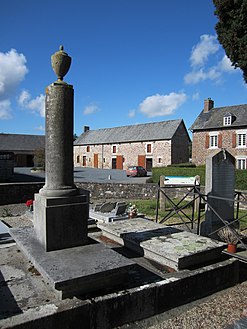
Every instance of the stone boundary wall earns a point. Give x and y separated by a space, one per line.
11 193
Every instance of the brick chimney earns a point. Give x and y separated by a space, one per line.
85 128
208 105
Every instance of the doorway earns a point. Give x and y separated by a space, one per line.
149 164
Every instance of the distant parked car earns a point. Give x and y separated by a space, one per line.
136 171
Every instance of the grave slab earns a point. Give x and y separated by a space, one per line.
164 244
74 271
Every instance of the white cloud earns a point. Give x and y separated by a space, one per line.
90 109
36 105
5 109
195 96
226 65
161 105
40 128
196 76
132 113
12 71
207 46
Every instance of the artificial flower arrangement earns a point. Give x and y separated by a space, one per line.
29 204
132 211
227 235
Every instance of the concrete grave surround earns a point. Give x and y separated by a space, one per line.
74 271
163 244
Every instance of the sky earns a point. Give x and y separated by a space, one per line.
133 61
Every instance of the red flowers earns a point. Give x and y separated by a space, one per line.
29 203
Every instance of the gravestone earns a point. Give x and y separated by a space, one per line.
219 188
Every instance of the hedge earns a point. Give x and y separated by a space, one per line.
241 175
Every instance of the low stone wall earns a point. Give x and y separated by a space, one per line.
120 191
18 192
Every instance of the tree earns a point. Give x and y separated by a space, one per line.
232 31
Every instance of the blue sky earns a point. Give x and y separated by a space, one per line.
133 61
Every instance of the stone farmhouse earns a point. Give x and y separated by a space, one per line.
23 147
216 128
148 145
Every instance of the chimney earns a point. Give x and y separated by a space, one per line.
85 128
208 105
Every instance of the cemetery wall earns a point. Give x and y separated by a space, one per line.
11 193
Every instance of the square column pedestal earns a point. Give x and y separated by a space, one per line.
61 222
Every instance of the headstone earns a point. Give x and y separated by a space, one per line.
60 212
219 188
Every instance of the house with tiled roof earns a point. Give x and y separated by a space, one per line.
23 147
148 145
217 128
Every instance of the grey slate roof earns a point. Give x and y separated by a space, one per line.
214 118
142 132
18 142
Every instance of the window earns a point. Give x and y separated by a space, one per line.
88 148
241 163
149 148
213 141
114 149
241 140
159 160
227 120
78 159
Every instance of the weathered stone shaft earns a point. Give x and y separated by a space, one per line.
59 141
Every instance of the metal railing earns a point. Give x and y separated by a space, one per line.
197 203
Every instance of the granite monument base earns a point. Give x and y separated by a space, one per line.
74 271
61 222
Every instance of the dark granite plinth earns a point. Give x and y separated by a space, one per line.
74 271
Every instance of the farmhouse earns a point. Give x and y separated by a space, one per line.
148 145
216 128
23 147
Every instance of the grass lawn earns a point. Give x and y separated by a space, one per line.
148 208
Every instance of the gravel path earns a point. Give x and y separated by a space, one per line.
224 310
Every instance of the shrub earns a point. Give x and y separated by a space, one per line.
240 175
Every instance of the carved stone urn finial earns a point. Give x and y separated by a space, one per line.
60 62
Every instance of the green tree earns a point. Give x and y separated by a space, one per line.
231 29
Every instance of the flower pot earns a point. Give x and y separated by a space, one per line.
231 248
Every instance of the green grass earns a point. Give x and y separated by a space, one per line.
148 208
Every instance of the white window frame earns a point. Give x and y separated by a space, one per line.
227 120
213 140
151 145
241 162
113 149
241 139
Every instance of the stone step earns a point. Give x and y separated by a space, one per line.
166 245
